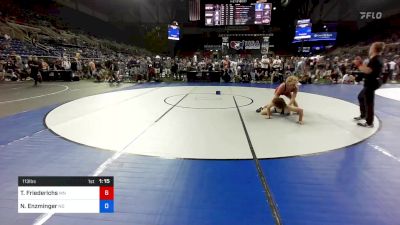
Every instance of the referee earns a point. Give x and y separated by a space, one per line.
372 73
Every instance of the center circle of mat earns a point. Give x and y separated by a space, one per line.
139 122
208 101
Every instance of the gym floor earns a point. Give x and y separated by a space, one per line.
181 154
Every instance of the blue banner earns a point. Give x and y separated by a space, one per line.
322 36
173 32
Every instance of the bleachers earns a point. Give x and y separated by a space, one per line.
22 48
42 28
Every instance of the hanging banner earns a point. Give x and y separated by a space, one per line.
245 45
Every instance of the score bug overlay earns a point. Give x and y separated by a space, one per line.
65 194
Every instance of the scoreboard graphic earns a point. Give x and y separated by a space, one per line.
65 194
237 14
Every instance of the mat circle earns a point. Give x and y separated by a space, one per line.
245 101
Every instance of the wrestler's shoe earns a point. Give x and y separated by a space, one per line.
365 125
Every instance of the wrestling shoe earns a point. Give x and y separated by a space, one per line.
365 125
259 109
359 118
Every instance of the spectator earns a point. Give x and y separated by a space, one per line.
392 68
35 67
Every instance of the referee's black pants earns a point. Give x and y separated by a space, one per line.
366 100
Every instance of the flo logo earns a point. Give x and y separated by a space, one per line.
371 15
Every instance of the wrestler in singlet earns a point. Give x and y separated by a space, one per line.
286 90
